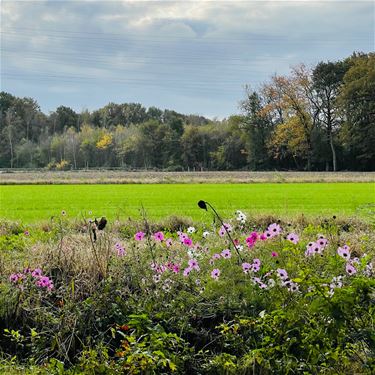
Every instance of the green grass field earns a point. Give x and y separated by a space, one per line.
32 203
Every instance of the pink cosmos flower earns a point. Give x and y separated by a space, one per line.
316 249
292 237
37 272
226 254
255 267
168 242
187 270
350 269
215 273
322 242
274 229
313 248
267 235
216 256
344 252
139 236
193 264
182 236
246 267
282 274
121 252
256 280
256 262
44 282
159 236
274 254
14 277
225 228
263 237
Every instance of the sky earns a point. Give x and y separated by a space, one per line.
194 57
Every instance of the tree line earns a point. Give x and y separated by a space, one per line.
319 118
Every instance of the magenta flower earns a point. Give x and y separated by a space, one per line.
176 268
159 236
188 242
274 254
350 270
263 237
215 273
226 254
292 237
139 236
251 240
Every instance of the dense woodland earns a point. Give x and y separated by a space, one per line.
320 118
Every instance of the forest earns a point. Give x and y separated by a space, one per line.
319 118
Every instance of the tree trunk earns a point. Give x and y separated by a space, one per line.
10 146
330 136
334 160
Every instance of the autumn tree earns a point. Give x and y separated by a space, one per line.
357 98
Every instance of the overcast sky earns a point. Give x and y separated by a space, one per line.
190 56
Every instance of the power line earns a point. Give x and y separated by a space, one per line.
170 84
171 38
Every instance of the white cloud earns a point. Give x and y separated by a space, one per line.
179 45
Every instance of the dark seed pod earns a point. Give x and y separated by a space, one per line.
202 205
102 223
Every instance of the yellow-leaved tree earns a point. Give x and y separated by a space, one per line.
104 142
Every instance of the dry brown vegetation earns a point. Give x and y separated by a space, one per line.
149 177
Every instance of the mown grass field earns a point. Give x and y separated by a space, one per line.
33 203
